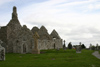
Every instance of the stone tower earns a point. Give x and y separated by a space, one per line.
14 14
19 39
14 22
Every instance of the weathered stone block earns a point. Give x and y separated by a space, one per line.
2 51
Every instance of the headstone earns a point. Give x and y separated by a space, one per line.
97 47
90 47
35 50
2 51
58 49
80 43
78 49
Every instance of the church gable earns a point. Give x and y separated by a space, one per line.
35 29
54 34
43 33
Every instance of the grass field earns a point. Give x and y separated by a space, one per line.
52 58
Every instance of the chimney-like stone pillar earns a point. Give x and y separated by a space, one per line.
14 14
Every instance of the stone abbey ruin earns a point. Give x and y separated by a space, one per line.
19 39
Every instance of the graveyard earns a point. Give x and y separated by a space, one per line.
24 47
52 58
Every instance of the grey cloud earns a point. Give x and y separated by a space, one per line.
77 35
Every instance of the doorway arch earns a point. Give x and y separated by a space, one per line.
54 45
24 48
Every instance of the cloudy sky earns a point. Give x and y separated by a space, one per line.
75 20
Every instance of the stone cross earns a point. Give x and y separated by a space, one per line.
35 49
78 49
64 47
2 51
64 41
36 36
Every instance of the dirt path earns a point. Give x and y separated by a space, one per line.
96 54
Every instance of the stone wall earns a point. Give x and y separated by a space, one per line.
45 44
3 34
18 39
50 44
46 40
22 42
58 43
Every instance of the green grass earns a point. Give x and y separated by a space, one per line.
52 58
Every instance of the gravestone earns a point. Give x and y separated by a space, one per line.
90 47
78 49
35 50
2 51
58 49
97 47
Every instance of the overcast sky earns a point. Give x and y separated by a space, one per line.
75 20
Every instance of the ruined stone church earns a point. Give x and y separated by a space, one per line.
19 39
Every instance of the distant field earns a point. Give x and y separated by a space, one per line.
52 58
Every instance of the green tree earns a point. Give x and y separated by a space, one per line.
83 46
70 45
93 47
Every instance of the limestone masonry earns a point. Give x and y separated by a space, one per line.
19 39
